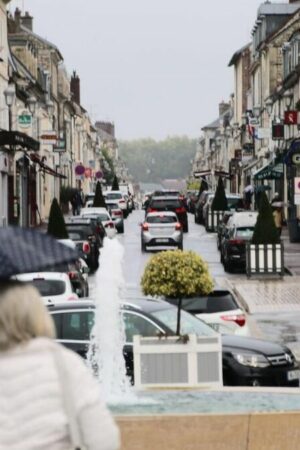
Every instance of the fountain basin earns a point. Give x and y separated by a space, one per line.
226 419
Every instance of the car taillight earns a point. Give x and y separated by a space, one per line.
122 201
149 210
73 297
86 248
117 213
109 225
239 319
180 210
236 241
178 226
73 275
145 227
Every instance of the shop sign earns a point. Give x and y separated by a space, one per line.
277 131
263 133
291 117
296 158
49 137
253 121
247 152
60 146
24 118
238 154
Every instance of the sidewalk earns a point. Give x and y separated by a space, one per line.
291 254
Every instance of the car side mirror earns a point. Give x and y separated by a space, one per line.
79 292
85 270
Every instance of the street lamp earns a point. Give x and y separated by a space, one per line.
269 106
9 94
31 102
50 108
288 97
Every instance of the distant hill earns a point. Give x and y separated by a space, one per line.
151 161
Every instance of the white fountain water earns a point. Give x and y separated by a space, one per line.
105 354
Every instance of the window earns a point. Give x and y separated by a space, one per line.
113 196
75 325
49 288
161 219
189 323
165 204
217 301
245 232
135 324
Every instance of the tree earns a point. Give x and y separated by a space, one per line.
115 184
56 225
99 201
265 231
176 275
219 202
203 186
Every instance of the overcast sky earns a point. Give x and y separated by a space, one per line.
154 67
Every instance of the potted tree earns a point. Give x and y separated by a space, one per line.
218 206
264 254
99 201
179 360
115 184
56 224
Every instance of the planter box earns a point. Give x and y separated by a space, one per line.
294 229
170 363
264 259
213 220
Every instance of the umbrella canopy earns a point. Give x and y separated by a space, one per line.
24 250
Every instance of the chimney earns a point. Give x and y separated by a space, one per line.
17 18
27 21
223 107
75 88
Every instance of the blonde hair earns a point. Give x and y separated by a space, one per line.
23 316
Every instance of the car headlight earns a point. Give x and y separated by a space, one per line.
251 359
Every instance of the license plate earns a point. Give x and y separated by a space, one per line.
162 241
293 375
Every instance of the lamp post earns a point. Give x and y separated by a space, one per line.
8 196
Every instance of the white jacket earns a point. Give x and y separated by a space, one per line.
32 415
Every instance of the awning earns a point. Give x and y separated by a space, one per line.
16 138
45 168
216 173
270 171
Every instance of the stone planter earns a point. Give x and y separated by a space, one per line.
213 220
264 259
172 363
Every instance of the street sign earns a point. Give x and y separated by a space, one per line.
291 117
49 137
60 146
24 118
277 131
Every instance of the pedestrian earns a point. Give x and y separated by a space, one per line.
248 194
48 397
278 219
77 203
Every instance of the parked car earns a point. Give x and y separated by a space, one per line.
87 239
120 197
101 215
233 201
89 199
246 361
220 310
222 227
54 287
191 200
173 204
161 230
238 232
117 215
199 206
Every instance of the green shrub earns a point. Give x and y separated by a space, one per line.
56 224
176 275
265 231
99 201
220 201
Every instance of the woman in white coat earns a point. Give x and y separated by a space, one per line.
48 398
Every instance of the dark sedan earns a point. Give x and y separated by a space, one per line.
246 361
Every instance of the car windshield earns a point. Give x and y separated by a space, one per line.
232 202
161 219
217 301
189 323
112 205
76 233
101 217
165 204
113 196
49 288
245 232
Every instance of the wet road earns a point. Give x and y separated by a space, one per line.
274 326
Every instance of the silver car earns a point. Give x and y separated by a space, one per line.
116 215
161 230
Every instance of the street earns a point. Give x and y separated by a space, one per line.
277 321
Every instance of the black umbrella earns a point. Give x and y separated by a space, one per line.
24 250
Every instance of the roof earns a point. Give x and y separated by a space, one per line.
43 40
216 123
269 9
236 56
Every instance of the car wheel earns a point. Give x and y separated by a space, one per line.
143 247
227 266
196 219
121 229
180 246
186 228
